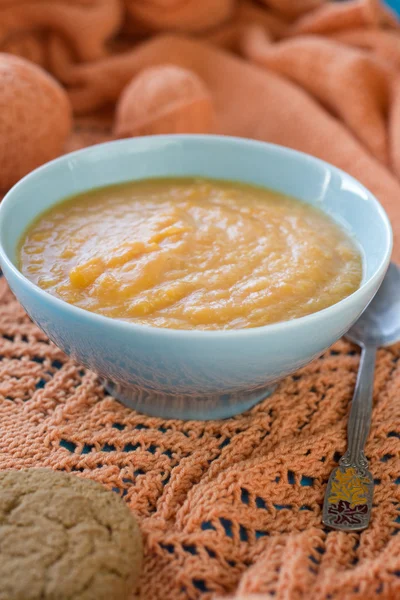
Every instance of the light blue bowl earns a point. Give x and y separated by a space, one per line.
194 374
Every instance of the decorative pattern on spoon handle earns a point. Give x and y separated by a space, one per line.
348 498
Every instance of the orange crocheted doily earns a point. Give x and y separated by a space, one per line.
227 507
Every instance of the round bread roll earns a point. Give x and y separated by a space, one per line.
64 537
35 118
164 99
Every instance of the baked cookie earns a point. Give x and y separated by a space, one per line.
62 537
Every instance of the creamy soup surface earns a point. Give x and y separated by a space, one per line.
191 254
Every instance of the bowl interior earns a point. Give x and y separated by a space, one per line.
281 169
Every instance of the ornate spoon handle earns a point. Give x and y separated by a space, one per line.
348 498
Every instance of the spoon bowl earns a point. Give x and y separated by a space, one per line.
379 325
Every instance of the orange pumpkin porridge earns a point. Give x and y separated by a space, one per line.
189 253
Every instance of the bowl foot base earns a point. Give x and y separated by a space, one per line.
186 407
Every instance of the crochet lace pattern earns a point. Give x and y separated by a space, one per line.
227 508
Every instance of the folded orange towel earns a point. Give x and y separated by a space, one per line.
382 43
348 82
177 15
172 100
83 26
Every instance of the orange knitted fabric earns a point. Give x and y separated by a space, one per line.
226 507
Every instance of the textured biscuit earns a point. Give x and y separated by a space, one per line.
65 537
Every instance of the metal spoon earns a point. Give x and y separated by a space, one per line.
348 498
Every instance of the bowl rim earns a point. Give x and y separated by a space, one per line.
278 327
